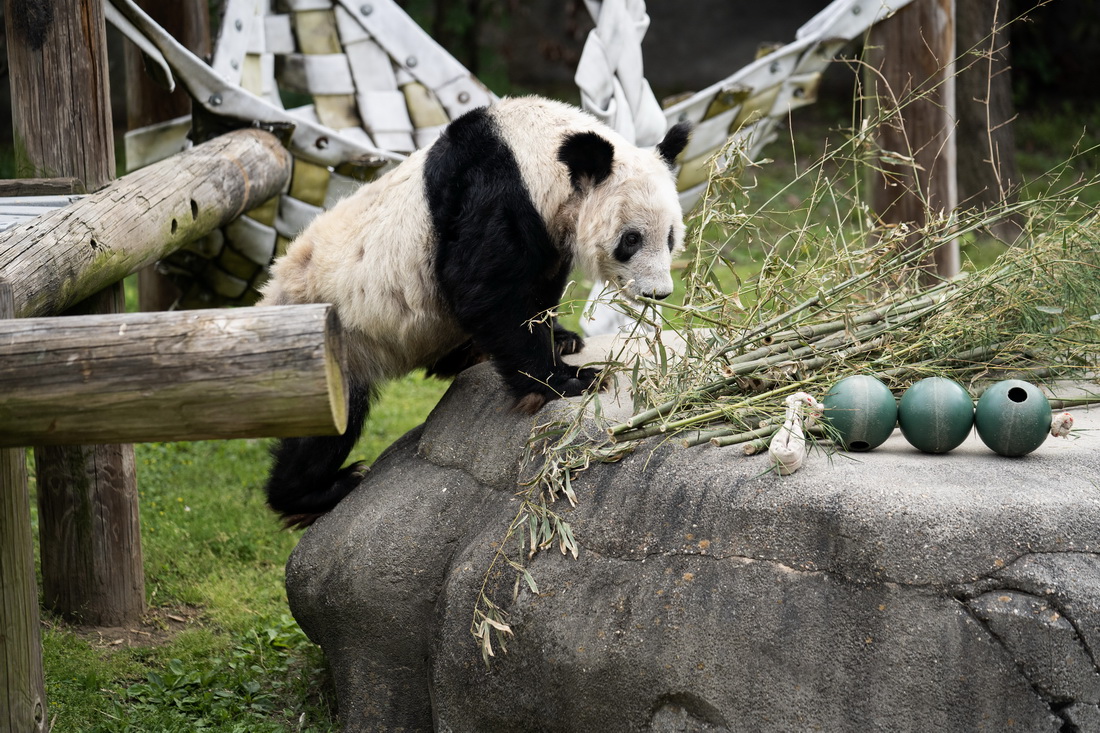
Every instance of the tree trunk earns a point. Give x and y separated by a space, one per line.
22 687
910 78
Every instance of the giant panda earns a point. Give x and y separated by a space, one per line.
460 249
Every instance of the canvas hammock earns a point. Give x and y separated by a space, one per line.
376 87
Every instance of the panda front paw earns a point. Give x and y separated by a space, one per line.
312 507
566 342
574 381
569 382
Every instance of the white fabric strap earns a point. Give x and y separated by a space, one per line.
610 74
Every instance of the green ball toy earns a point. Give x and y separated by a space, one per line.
862 411
1013 417
935 415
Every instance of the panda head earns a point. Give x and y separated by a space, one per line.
628 220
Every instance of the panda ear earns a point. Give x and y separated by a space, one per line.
588 158
676 139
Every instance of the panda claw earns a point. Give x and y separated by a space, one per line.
530 403
567 342
299 521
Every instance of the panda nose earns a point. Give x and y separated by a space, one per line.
657 296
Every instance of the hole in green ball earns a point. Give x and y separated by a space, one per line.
1017 394
859 445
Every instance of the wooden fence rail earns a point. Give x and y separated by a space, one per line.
182 375
58 259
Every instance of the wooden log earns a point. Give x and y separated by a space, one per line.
89 533
910 58
22 687
62 257
62 123
181 375
987 170
40 186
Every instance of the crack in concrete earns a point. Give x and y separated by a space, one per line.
1008 653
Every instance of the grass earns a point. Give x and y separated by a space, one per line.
214 558
218 650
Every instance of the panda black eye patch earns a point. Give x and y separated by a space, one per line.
630 242
671 240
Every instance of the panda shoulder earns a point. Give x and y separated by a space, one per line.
548 118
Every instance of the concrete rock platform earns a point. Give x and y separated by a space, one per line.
890 590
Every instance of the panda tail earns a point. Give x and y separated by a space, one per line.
306 478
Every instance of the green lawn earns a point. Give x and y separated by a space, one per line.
218 651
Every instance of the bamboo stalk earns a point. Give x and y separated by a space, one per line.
870 334
763 434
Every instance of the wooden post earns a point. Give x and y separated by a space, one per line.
61 120
61 107
988 175
22 688
88 526
910 77
147 103
184 375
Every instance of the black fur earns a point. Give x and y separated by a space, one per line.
629 243
495 262
306 477
457 361
588 158
674 142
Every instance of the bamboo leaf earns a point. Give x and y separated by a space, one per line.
530 581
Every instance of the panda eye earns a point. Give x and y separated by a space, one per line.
671 240
629 243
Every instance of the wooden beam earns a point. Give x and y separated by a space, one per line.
40 187
180 375
22 687
62 257
61 115
89 529
987 170
910 59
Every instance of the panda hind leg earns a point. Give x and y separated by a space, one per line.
307 478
